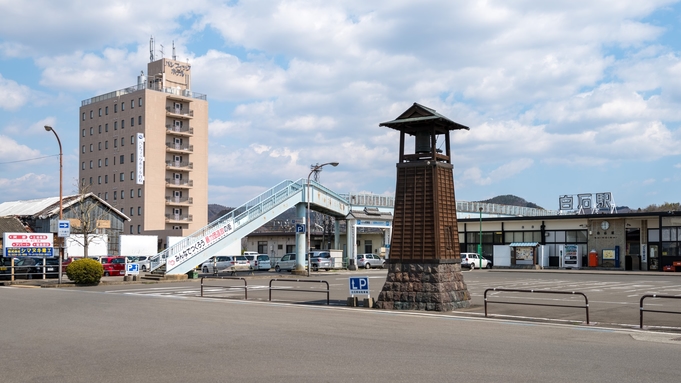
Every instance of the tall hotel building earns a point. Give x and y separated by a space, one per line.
144 150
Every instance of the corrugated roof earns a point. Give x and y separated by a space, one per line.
12 225
46 207
524 244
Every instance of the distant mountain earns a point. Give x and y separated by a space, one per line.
216 211
512 200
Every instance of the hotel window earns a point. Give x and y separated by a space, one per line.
115 142
139 102
83 116
100 129
106 127
100 112
122 179
132 178
132 121
106 161
132 139
132 193
99 180
139 120
132 104
83 133
114 160
90 164
139 192
99 145
122 159
132 157
92 115
99 163
106 110
122 197
139 229
131 229
139 210
106 144
106 178
82 181
90 180
83 166
131 212
92 148
122 124
106 196
92 130
115 195
115 108
122 106
83 149
122 141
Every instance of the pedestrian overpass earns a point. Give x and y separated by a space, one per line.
227 230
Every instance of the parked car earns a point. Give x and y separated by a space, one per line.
6 268
287 262
370 260
113 266
222 263
259 261
142 260
473 260
320 260
50 269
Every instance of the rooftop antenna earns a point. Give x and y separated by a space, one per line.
174 56
151 49
162 55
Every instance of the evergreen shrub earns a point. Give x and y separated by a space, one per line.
85 271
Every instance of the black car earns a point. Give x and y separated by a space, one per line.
50 269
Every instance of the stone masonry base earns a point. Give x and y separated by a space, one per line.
424 286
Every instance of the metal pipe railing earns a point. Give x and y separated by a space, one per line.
300 290
586 300
641 309
245 287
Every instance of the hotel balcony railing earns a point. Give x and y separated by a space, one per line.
183 147
178 129
180 164
180 112
179 182
181 200
179 217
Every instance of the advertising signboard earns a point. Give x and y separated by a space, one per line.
25 244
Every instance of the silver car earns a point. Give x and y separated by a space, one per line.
320 260
259 261
287 262
222 263
370 260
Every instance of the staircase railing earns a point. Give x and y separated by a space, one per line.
239 216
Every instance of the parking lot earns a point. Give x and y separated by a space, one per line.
613 298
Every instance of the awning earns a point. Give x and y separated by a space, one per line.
524 244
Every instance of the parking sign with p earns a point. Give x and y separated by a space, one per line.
359 286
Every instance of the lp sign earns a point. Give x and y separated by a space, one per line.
359 285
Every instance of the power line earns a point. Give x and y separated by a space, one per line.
30 159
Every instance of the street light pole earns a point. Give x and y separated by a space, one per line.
61 206
480 239
307 220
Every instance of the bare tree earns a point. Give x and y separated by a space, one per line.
91 218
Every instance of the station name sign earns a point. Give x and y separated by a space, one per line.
587 202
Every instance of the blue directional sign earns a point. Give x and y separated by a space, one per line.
133 268
300 228
64 229
359 285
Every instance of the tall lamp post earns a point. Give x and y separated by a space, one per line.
480 238
307 220
61 207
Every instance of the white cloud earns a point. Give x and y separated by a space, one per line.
13 95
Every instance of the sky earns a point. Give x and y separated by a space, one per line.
562 97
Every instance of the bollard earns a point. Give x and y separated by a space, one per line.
352 301
368 302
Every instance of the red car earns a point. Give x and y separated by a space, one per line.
113 266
